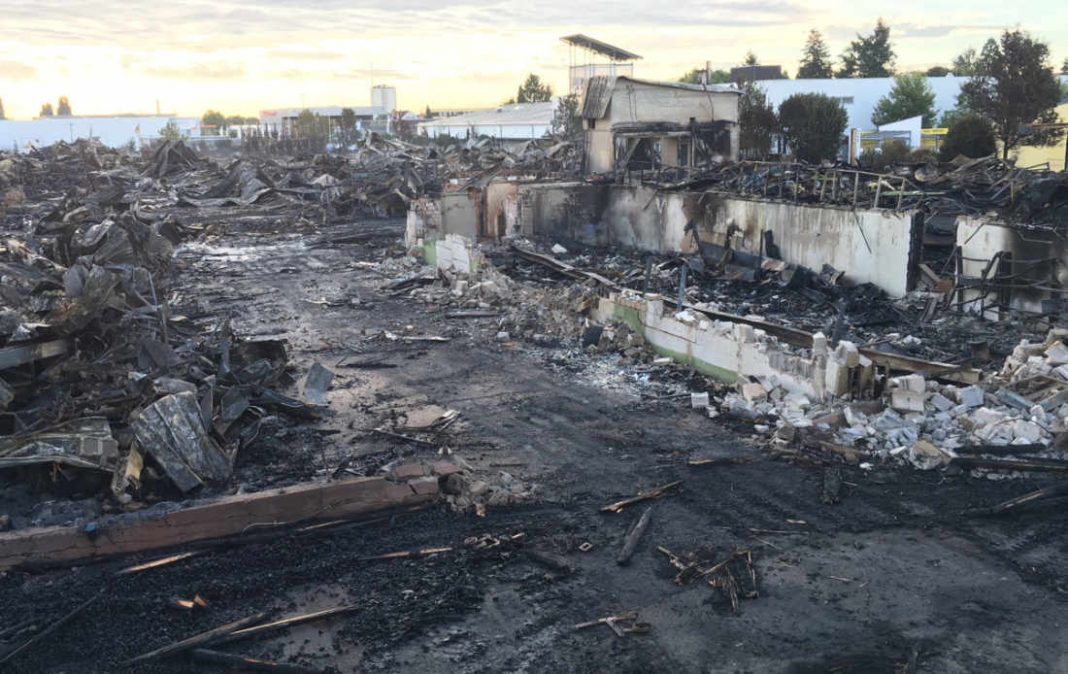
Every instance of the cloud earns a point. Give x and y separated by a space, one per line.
198 71
910 30
373 74
16 70
302 55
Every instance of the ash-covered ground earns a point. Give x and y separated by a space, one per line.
898 576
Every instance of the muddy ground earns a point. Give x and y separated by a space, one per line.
896 577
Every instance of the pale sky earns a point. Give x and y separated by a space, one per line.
243 56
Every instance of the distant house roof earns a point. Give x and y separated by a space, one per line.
600 87
756 73
602 48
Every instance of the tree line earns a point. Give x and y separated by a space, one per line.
1010 97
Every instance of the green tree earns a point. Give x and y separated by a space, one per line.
938 71
214 121
869 55
756 121
970 135
964 64
307 124
427 113
348 119
2 109
813 125
170 131
815 58
533 91
567 121
697 76
1064 67
910 96
750 59
1014 86
46 110
63 107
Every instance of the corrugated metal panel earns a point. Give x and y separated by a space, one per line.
597 96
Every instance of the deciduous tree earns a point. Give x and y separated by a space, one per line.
813 125
1013 87
938 71
971 136
815 58
63 107
214 119
697 76
46 110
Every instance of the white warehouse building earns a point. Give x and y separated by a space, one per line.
515 121
860 95
116 131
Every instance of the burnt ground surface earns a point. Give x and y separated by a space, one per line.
893 578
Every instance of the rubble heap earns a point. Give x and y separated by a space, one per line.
103 369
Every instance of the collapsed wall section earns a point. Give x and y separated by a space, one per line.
737 353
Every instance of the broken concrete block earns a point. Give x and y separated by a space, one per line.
1056 354
819 344
855 417
941 403
1026 432
971 396
905 400
699 400
557 249
984 416
754 392
847 354
913 382
925 455
663 360
836 378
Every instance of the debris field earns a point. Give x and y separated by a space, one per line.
244 426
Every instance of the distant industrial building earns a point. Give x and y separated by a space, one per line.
112 131
377 116
512 122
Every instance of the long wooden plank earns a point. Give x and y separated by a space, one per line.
198 639
228 516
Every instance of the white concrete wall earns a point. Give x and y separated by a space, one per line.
869 246
21 135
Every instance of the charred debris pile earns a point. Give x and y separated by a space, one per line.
106 381
112 379
1019 196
